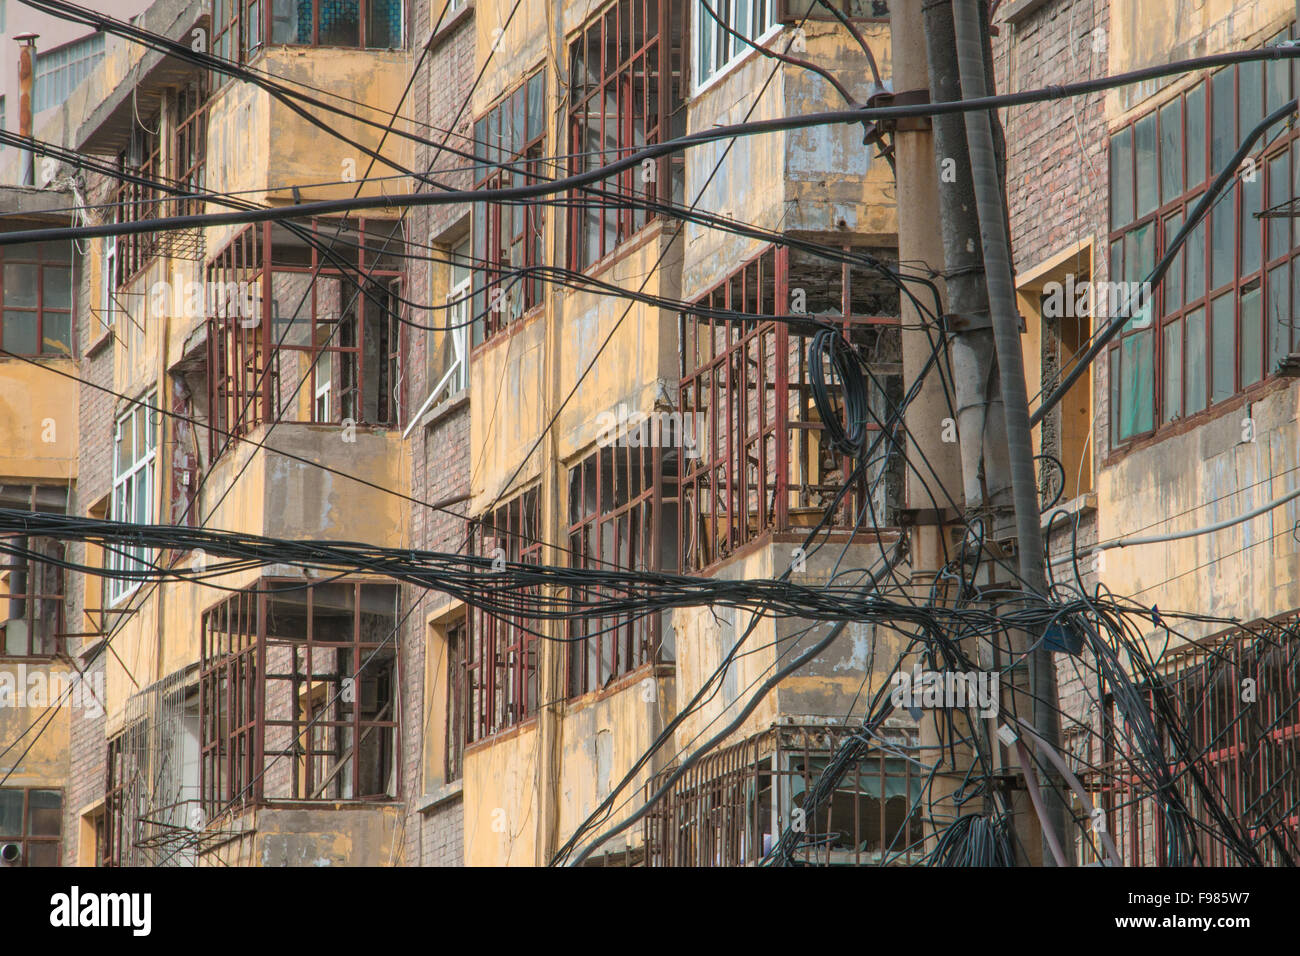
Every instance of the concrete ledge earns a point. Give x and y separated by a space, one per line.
440 796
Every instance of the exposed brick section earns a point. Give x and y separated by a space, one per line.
439 453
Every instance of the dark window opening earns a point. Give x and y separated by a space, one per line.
31 581
36 294
31 827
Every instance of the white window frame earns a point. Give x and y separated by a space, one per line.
727 9
120 557
456 316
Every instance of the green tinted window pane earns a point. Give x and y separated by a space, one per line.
1279 78
19 334
1222 352
20 285
340 22
536 105
1195 259
11 814
1278 326
56 251
1137 385
1147 164
57 282
1172 364
1222 221
1121 179
1252 196
1279 191
1139 259
1194 360
1252 336
44 813
1171 151
1223 131
1114 396
1250 94
56 334
1195 146
1172 284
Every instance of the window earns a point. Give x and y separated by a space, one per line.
625 71
717 23
134 450
792 11
137 202
509 140
323 346
298 695
736 803
1225 309
189 146
60 71
31 822
241 26
447 350
622 514
108 285
457 638
765 465
36 289
1247 754
501 652
32 584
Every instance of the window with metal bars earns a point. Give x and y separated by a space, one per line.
735 804
1242 737
137 201
622 515
457 638
32 585
189 145
295 335
31 819
509 141
1223 318
298 695
625 93
764 463
501 650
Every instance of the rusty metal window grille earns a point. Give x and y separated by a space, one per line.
137 202
189 146
622 514
1221 322
315 349
501 652
457 698
732 808
1248 753
625 94
297 695
32 588
509 142
32 819
36 292
764 463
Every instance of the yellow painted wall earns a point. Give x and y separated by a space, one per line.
500 782
38 420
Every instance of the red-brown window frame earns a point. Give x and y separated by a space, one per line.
1172 314
190 144
508 159
619 526
242 392
456 636
234 40
234 758
743 469
34 255
138 202
501 654
26 839
52 598
655 62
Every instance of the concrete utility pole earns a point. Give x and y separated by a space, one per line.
940 215
970 26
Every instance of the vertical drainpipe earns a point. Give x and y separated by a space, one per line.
26 81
